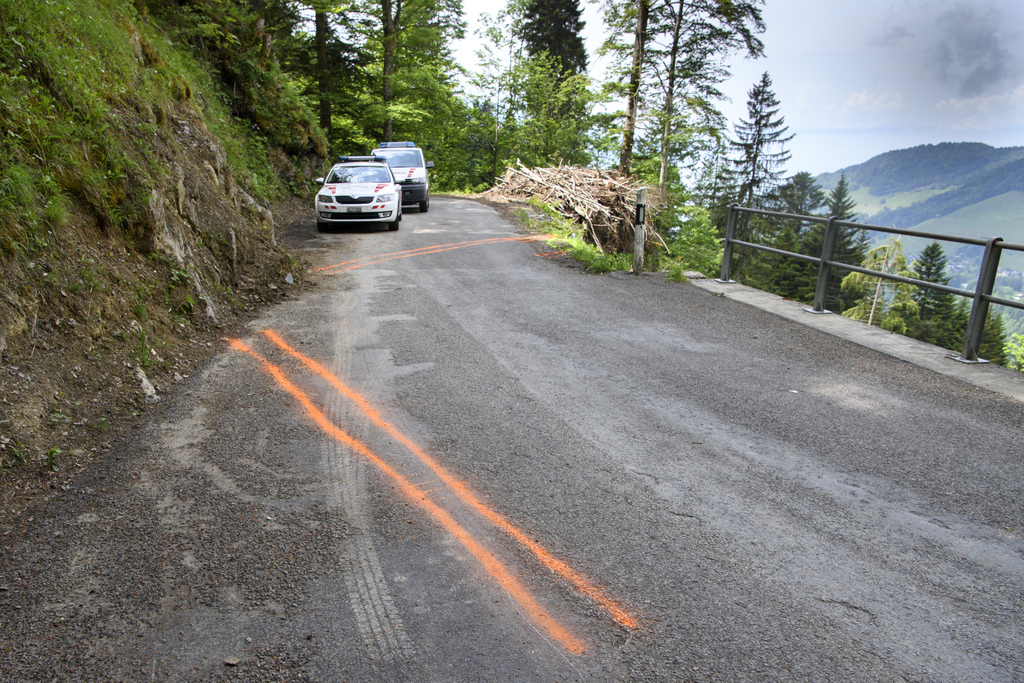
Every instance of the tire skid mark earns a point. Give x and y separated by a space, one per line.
548 624
377 618
584 585
381 258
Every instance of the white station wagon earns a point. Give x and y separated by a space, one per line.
359 189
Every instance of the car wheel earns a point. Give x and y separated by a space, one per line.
321 227
394 225
424 205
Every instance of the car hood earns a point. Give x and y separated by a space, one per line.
357 189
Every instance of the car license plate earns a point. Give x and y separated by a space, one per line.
353 209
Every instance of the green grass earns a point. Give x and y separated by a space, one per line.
1001 216
87 89
870 204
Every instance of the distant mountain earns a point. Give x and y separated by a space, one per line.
958 175
946 164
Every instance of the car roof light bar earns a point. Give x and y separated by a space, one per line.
346 159
385 145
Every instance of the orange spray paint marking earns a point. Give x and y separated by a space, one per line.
493 566
582 583
427 250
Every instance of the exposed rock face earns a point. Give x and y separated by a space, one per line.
96 325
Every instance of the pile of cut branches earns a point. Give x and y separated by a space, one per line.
603 202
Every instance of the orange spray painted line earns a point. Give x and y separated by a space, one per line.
422 250
582 583
493 566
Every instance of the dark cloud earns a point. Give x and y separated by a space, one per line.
969 53
892 36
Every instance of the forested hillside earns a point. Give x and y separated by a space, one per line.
945 165
975 188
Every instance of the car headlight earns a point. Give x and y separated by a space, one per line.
385 198
324 199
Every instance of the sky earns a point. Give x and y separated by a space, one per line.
856 78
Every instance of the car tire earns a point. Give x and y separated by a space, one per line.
395 224
321 227
424 205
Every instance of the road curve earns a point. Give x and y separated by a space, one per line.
459 459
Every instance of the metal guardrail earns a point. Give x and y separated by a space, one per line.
981 296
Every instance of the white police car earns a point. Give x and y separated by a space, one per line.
410 168
358 189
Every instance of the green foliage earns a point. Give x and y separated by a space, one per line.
552 28
993 340
695 244
50 460
880 302
596 261
81 79
1015 351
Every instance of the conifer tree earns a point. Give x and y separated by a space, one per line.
937 308
555 27
840 204
993 340
761 146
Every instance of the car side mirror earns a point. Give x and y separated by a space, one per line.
318 181
430 164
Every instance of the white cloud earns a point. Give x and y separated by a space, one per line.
865 102
988 110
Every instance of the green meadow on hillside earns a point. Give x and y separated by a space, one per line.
1001 216
869 205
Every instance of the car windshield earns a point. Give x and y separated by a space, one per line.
401 158
359 174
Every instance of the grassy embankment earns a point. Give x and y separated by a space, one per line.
106 114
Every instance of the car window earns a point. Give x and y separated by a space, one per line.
360 174
401 158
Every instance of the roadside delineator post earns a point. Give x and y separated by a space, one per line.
639 232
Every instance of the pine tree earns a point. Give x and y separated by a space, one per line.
851 243
851 246
555 27
993 341
937 308
801 195
840 204
761 144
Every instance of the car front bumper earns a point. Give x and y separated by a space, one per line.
414 193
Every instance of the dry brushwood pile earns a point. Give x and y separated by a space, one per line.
603 202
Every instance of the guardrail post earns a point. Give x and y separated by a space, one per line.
979 309
828 250
730 235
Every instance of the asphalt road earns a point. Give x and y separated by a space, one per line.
460 459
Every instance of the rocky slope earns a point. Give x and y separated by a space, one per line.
98 325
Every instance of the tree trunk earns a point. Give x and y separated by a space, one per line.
629 129
670 99
322 72
392 20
